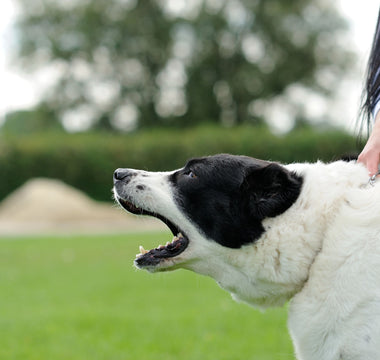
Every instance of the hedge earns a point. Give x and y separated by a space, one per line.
87 160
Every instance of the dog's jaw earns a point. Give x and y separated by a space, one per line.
147 193
152 260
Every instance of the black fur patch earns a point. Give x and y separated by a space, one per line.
228 196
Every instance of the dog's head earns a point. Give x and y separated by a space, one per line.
212 203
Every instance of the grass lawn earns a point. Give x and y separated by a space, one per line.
80 298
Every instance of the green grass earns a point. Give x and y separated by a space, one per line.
80 298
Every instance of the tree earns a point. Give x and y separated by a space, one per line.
137 63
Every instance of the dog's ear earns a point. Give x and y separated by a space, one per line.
270 190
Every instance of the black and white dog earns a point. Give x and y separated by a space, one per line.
268 233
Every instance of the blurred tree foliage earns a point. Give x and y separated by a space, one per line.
31 121
124 64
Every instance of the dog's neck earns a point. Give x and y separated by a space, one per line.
271 270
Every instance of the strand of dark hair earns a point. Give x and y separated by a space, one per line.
371 91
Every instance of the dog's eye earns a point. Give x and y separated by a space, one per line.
191 174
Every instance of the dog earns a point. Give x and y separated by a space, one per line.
269 233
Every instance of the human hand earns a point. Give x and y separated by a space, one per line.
370 155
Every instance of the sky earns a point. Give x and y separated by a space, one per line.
18 90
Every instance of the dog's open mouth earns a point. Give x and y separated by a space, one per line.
151 258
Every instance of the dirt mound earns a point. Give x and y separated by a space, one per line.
50 206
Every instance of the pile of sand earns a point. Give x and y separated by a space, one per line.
50 206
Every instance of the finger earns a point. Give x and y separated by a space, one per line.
372 165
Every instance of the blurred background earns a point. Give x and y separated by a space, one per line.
87 86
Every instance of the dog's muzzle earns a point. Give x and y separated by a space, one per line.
124 195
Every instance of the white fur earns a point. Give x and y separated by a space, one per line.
323 254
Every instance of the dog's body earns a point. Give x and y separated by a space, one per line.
268 233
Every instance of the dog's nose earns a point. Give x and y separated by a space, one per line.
122 174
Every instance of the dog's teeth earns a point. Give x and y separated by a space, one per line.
142 250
